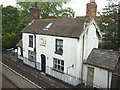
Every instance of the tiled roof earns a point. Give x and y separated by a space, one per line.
19 44
102 58
69 27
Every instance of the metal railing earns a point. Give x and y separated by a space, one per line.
65 77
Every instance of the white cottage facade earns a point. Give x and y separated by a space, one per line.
62 49
55 64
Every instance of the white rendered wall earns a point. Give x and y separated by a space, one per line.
19 51
25 38
100 77
91 41
69 52
69 55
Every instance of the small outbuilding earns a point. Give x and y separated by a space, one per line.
99 68
20 50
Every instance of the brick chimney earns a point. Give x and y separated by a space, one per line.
34 13
91 11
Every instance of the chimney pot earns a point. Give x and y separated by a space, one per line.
92 1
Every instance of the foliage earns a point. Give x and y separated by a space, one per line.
10 27
9 40
47 9
108 24
15 19
10 19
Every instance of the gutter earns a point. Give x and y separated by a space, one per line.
74 37
35 49
98 66
82 59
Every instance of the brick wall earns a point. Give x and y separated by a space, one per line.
34 14
91 11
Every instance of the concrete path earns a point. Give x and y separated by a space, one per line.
18 79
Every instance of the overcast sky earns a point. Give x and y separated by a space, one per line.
79 6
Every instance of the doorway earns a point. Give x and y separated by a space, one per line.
43 63
90 76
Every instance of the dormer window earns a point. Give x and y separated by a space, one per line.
48 26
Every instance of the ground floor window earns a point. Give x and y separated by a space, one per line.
58 64
31 55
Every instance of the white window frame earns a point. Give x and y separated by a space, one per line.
48 26
58 64
30 40
59 45
31 56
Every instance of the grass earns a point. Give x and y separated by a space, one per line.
10 61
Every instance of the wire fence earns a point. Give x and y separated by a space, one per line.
65 77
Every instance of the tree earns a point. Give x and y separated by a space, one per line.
10 27
10 19
9 40
108 24
47 9
15 19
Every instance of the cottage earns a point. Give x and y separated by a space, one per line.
62 48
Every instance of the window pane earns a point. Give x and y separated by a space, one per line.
30 41
58 64
58 67
55 66
61 43
58 47
61 47
31 55
62 63
55 60
62 68
58 42
31 38
58 61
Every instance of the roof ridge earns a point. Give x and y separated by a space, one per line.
107 50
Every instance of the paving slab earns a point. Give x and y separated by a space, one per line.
18 79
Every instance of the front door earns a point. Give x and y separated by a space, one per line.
43 63
90 76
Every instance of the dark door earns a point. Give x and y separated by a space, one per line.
21 52
43 63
